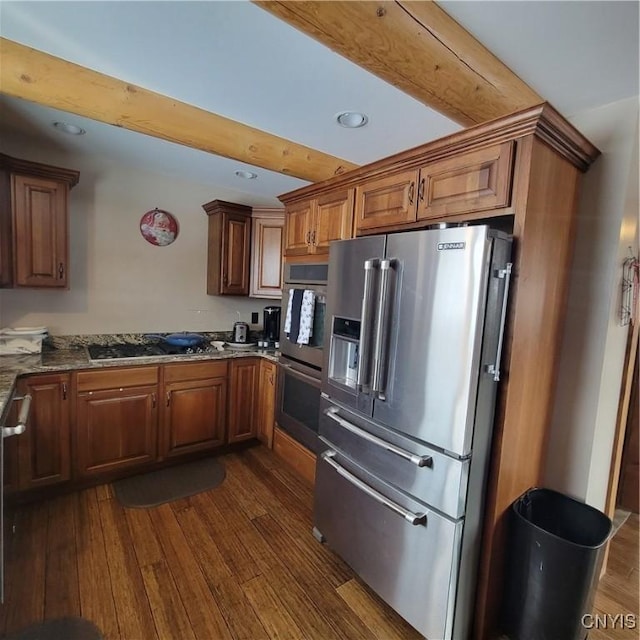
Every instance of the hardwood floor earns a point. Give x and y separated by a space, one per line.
238 561
619 589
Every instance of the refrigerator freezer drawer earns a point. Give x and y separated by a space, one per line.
431 477
406 553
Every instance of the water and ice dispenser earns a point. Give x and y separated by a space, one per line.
344 349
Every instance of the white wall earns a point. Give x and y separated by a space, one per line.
120 283
592 354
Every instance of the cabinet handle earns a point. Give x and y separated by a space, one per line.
168 398
412 188
153 400
308 237
313 237
421 190
61 271
64 390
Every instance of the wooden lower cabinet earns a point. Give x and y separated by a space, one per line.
194 407
116 421
243 399
267 405
44 456
115 429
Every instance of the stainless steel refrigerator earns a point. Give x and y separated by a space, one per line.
414 324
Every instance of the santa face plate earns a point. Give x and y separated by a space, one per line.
159 227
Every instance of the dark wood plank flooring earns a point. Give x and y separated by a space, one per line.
238 561
235 562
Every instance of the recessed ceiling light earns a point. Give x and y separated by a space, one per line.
71 129
247 175
352 119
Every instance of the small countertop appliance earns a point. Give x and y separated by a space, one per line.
271 325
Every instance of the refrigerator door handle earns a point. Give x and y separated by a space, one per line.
505 273
382 327
363 376
412 518
419 461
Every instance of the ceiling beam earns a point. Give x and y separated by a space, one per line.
418 48
42 78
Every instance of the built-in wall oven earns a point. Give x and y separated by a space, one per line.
300 370
313 278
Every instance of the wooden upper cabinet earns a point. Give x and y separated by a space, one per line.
45 446
470 182
266 253
310 225
386 201
474 181
243 399
229 248
298 223
34 223
333 220
6 237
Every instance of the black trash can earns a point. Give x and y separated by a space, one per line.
553 561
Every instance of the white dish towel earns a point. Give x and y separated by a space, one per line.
287 318
306 316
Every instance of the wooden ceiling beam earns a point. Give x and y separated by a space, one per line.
42 78
419 49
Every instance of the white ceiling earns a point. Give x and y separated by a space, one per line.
237 60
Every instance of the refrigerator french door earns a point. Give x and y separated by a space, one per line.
414 327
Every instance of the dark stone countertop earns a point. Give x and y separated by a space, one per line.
57 360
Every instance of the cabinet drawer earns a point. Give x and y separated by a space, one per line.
475 181
194 371
386 201
115 378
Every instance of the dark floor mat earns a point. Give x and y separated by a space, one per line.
61 629
172 483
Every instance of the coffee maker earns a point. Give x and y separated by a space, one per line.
271 326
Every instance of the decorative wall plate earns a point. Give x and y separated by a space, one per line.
159 227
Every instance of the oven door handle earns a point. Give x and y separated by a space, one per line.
304 376
419 461
412 518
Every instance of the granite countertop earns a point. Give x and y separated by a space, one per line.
56 360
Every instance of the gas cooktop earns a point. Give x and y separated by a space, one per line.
126 351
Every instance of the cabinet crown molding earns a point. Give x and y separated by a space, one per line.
26 167
541 121
220 206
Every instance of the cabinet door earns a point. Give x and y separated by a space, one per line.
266 414
235 254
243 403
333 220
6 249
386 201
40 231
266 257
194 415
297 228
45 446
115 429
474 181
